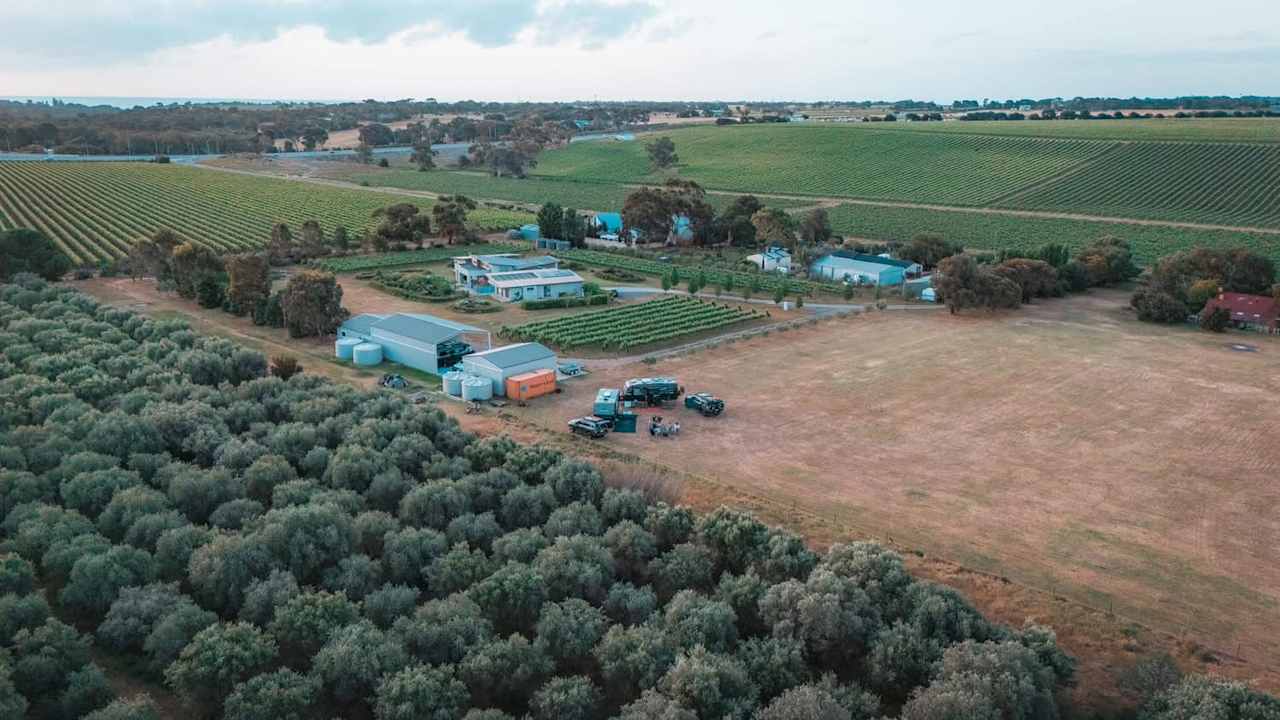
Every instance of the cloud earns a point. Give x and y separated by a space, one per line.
77 31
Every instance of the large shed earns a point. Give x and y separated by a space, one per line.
501 363
862 269
422 342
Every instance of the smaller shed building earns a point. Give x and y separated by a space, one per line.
499 364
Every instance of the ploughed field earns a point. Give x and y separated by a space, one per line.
1066 447
95 211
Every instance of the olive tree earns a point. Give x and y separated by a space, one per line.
279 695
421 691
356 658
218 658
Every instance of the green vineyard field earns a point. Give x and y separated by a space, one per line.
714 274
582 195
836 161
630 326
993 231
94 211
1189 182
1231 130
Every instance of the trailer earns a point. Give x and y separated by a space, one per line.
651 391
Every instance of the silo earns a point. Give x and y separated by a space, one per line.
344 346
476 388
453 383
367 354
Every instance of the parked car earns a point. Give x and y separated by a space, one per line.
590 426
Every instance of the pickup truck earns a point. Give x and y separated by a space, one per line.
706 403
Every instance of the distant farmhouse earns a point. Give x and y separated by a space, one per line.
1248 312
422 342
510 278
772 259
608 226
859 269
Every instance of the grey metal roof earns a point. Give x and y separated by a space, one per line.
512 355
422 328
361 323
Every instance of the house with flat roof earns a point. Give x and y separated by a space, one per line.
422 342
523 285
862 269
471 272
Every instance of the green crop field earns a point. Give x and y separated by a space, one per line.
602 196
94 211
1248 130
1192 182
993 231
838 161
630 326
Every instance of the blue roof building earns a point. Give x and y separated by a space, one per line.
422 342
610 223
860 269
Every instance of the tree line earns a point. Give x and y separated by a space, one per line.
1179 285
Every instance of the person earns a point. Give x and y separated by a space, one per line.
675 428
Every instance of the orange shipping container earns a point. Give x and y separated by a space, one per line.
531 385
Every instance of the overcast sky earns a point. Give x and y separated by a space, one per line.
639 49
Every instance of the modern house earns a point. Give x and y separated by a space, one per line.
860 269
471 272
509 361
773 259
531 285
422 342
1250 312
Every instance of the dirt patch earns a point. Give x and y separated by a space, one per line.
1065 447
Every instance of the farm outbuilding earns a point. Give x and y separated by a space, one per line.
421 342
861 269
500 364
1248 312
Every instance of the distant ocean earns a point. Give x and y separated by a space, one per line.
128 102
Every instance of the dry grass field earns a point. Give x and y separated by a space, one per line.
1066 447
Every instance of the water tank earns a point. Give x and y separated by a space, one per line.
476 388
344 346
367 354
453 383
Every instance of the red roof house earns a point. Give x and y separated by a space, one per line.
1257 311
